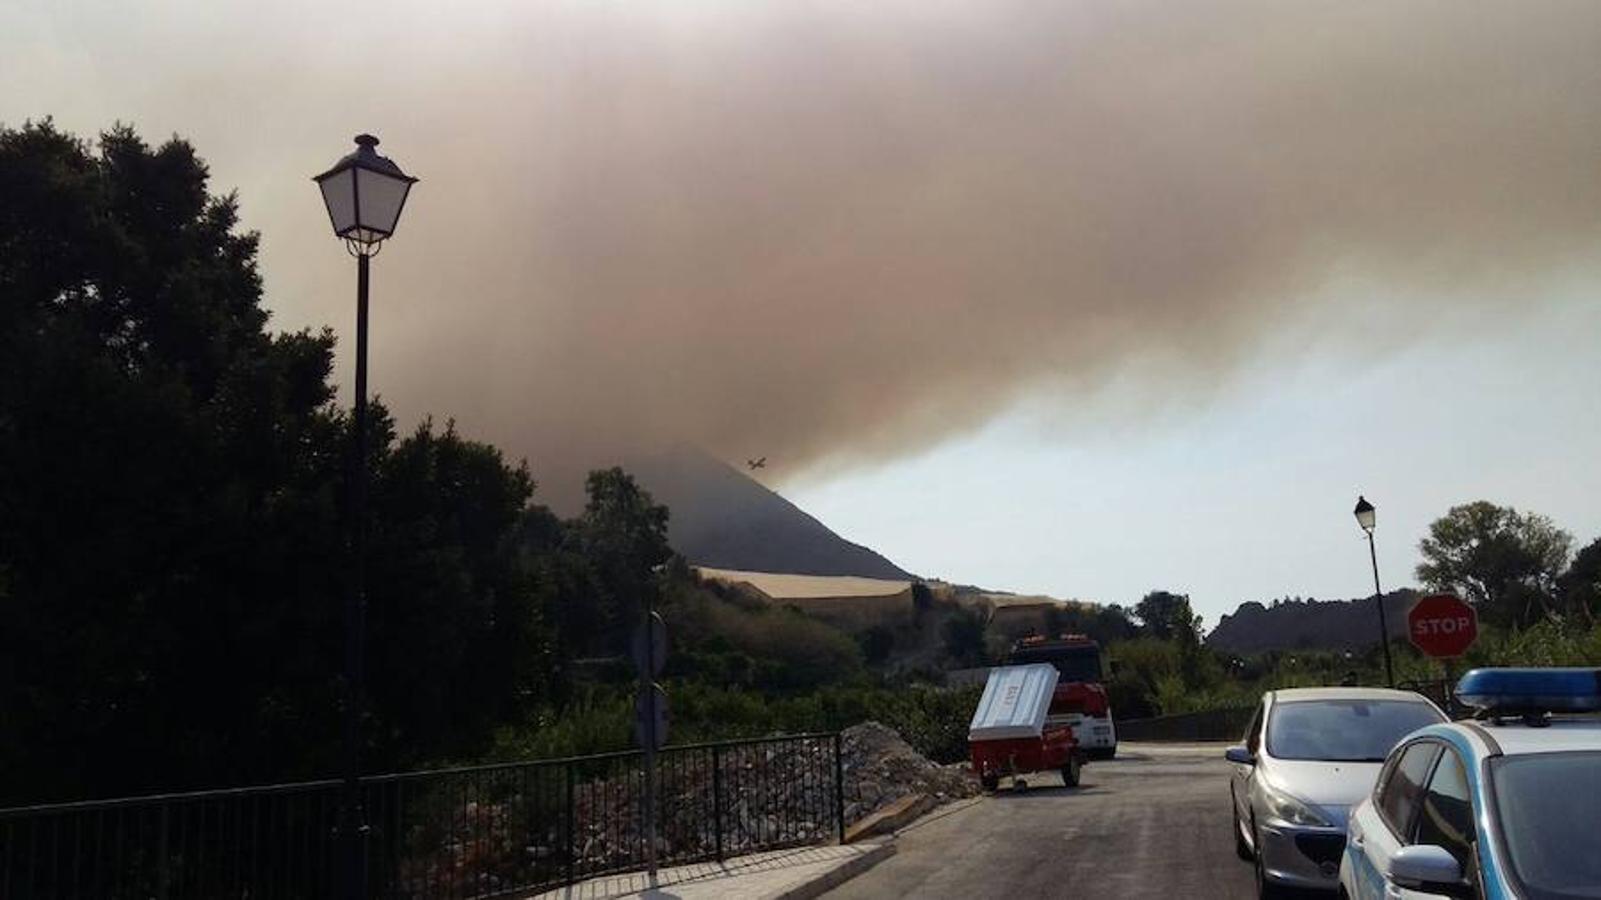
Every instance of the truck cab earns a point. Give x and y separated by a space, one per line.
1080 701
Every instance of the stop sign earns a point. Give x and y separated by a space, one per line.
1442 625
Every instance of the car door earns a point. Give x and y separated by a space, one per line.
1382 827
1240 788
1446 818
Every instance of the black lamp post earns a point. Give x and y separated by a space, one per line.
364 193
1366 516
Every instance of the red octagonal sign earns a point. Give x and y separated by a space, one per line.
1442 625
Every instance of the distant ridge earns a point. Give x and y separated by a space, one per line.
1310 624
725 520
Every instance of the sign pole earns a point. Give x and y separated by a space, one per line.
649 651
649 685
1450 704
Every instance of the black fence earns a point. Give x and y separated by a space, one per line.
1229 724
482 831
1209 725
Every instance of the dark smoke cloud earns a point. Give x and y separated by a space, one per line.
837 231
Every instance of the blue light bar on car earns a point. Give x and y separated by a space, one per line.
1512 691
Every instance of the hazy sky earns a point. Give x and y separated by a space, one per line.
1084 298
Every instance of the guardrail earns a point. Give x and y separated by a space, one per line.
479 831
1226 724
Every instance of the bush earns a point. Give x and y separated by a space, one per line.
933 720
877 642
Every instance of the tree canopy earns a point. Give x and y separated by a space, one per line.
173 553
1505 562
170 482
1165 615
1580 586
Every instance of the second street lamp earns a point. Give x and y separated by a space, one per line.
1367 517
364 193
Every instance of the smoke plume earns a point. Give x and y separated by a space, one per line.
828 232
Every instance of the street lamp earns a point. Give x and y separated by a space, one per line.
1366 516
364 193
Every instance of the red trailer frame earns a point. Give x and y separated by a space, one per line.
1055 749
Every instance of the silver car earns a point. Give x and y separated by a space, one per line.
1310 754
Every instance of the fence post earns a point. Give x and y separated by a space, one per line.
163 872
839 784
717 798
572 819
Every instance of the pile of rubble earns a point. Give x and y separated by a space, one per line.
880 769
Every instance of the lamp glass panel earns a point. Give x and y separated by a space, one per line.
1365 518
381 198
338 192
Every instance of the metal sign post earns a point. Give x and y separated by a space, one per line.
650 652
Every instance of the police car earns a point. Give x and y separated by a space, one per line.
1505 805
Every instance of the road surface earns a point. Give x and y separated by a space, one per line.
1151 823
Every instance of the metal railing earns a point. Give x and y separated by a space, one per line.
479 831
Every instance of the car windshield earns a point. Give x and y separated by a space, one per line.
1549 807
1344 730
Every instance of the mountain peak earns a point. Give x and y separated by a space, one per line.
724 519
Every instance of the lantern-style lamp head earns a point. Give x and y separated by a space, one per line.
1365 514
364 193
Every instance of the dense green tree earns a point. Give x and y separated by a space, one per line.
1167 616
1505 562
166 516
963 635
172 526
1104 624
877 642
457 638
622 535
1580 585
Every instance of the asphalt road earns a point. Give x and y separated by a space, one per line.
1151 823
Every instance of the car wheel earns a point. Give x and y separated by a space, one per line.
1241 848
990 782
1070 772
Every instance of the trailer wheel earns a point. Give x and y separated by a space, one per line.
1070 772
990 781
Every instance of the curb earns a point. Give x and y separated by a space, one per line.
891 818
838 876
937 813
